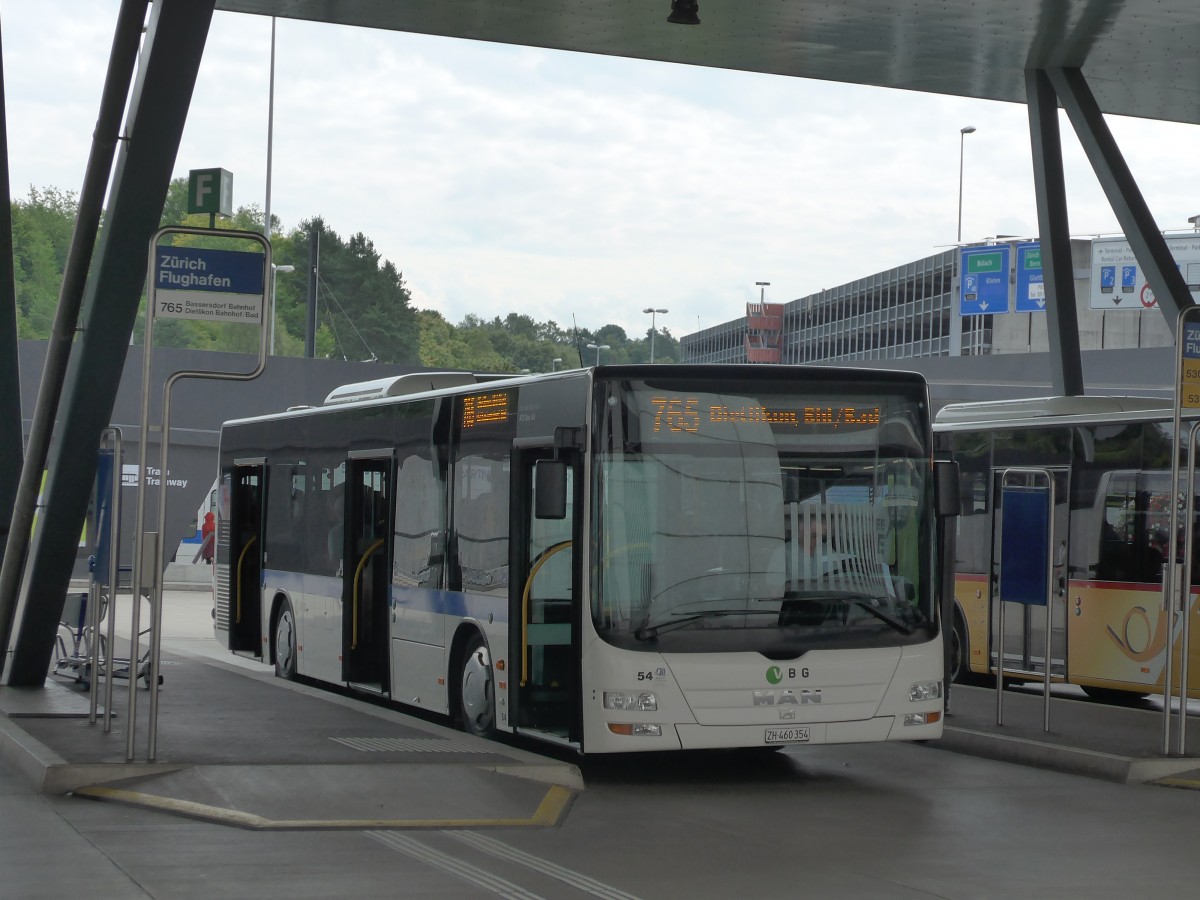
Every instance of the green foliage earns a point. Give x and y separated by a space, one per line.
42 227
364 307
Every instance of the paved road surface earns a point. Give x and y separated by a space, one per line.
878 821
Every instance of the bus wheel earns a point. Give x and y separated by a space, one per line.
958 651
475 693
285 642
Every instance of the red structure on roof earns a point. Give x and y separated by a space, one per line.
764 332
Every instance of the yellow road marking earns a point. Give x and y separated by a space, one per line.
548 813
1191 784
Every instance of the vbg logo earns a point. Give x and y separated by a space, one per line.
775 674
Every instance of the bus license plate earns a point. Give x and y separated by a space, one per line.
792 734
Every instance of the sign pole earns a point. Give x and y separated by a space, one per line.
1177 589
1026 577
187 283
1185 636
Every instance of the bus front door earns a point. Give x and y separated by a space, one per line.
544 597
247 493
366 574
1025 623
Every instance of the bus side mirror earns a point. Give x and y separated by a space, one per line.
550 489
946 487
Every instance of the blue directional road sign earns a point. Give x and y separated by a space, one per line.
1031 283
983 288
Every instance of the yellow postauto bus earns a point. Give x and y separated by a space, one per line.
1110 459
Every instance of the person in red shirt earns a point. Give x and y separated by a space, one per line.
208 537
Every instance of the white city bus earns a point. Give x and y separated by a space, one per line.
614 559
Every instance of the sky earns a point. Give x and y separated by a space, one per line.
572 187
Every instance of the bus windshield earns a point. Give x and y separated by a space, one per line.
751 517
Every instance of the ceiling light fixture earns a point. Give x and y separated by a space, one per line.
684 12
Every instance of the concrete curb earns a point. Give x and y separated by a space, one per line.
1059 758
48 773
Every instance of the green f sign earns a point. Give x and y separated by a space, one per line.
210 191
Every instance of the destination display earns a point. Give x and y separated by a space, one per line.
688 414
481 409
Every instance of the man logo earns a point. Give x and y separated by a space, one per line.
774 675
802 697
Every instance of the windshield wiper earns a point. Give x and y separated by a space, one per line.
880 614
648 631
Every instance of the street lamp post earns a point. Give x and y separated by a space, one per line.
652 312
598 348
275 270
962 136
976 327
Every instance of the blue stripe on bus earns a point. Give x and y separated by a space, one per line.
427 600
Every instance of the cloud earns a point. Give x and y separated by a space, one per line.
502 178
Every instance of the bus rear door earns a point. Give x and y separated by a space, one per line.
366 575
245 560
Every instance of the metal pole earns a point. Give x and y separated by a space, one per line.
1049 602
114 571
314 257
97 524
93 647
164 447
270 137
123 58
1000 663
139 519
1171 583
1188 535
1049 476
12 444
962 136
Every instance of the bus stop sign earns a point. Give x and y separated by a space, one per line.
208 284
1025 545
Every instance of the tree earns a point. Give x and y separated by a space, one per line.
42 229
361 297
364 306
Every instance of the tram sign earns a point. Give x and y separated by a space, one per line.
212 285
983 280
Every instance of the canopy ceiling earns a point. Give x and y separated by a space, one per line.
1140 57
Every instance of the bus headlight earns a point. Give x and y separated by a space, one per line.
925 690
929 718
642 701
635 729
